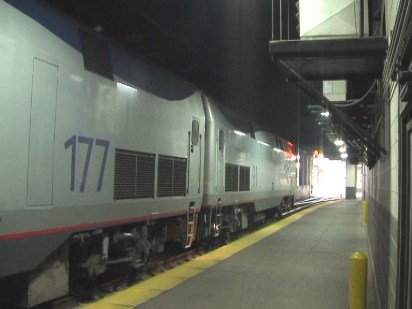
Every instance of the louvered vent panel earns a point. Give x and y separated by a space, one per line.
231 177
165 177
171 176
124 175
145 177
179 177
244 178
134 175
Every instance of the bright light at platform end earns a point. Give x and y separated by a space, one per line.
328 178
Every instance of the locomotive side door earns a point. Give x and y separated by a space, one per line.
194 158
220 161
42 130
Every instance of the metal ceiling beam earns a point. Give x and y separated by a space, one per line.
340 68
333 58
331 48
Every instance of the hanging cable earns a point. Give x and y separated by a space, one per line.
288 20
352 103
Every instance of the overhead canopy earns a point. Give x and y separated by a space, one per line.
338 59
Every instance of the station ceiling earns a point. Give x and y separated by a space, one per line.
222 46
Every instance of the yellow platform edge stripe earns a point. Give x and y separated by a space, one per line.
143 291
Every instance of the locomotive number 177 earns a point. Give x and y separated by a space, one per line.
72 143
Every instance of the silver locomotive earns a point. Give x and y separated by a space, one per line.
105 158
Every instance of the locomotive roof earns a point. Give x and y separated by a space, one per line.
222 48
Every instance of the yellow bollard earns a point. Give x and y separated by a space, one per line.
358 281
364 212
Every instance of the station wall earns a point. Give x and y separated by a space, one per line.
382 190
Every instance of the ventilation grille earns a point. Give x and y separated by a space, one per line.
145 176
231 177
244 178
134 175
171 176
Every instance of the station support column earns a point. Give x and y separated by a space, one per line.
350 181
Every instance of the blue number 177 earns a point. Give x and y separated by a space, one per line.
72 142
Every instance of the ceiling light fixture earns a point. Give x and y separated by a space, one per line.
338 142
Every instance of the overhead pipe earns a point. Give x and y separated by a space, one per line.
273 20
362 18
395 48
404 14
280 20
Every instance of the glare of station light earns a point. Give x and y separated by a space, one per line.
325 114
98 28
240 133
76 78
328 178
338 142
263 143
344 155
124 87
342 149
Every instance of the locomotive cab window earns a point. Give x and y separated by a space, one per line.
221 140
195 132
280 144
277 143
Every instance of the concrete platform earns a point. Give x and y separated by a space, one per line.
302 261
